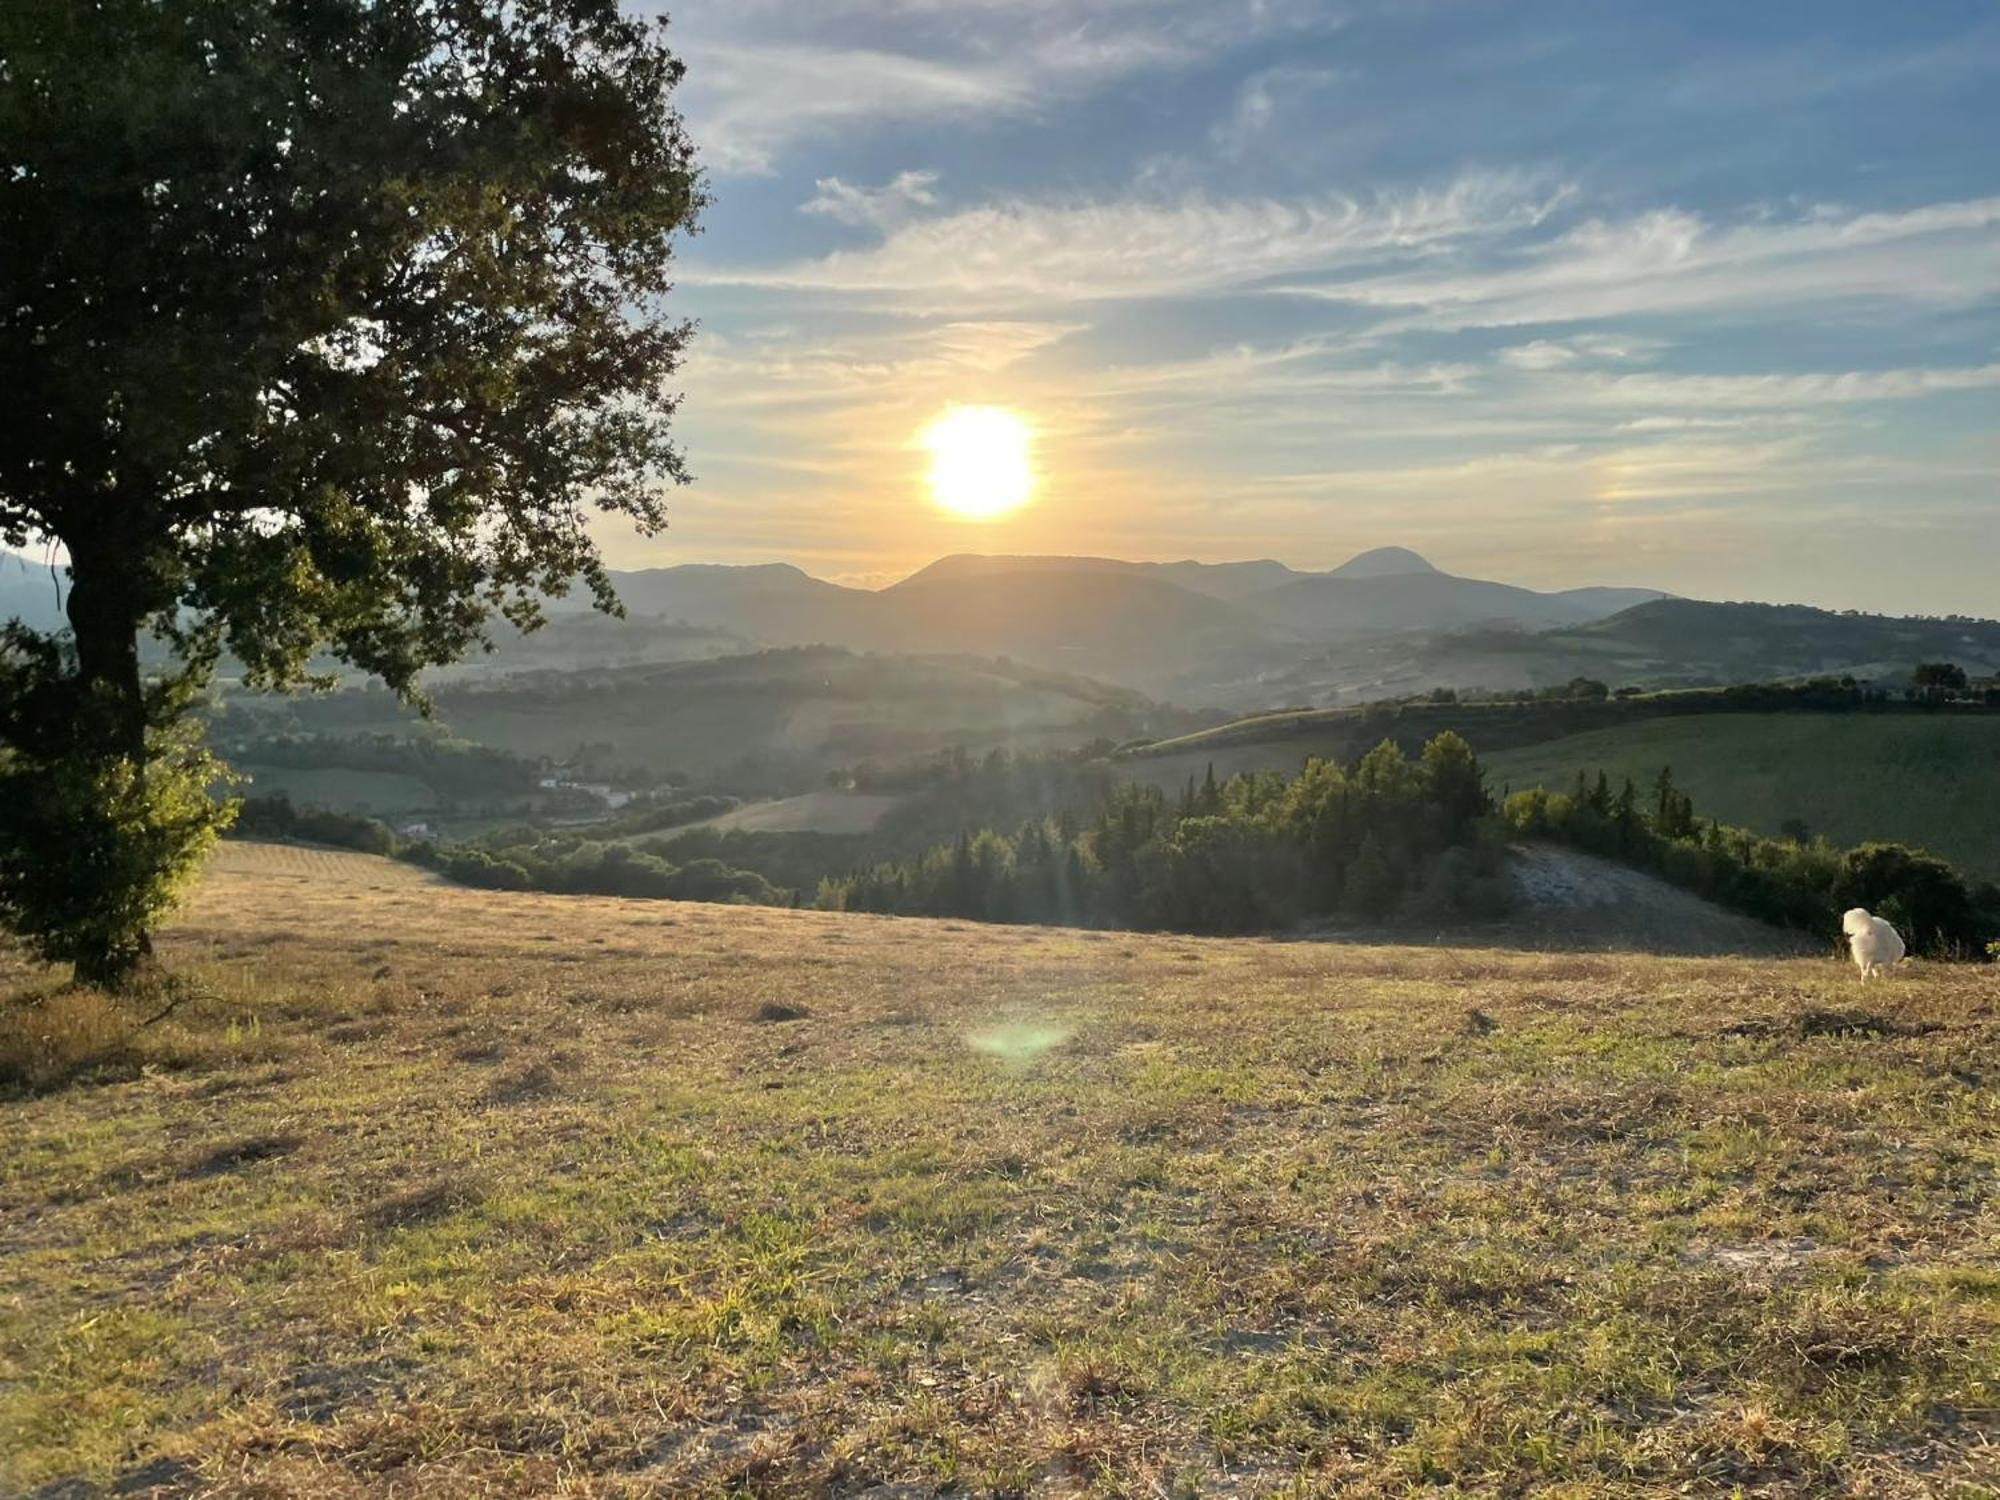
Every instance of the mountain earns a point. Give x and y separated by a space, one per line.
1228 581
1660 643
1125 626
1598 603
29 594
1394 590
1232 581
1198 632
759 599
1383 562
1736 642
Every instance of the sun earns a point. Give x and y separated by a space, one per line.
982 461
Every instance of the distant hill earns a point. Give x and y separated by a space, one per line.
1384 562
1236 636
1124 626
1914 779
1895 771
1386 590
1231 581
771 722
1378 603
1733 642
1201 631
29 594
1662 643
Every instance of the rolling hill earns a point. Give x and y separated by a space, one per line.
1201 631
1931 782
769 722
1661 643
1239 636
29 594
1895 772
1391 603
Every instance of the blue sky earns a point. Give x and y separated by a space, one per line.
1699 296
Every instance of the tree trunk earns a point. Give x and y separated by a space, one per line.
105 607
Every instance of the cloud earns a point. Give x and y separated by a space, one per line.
1262 101
1786 391
1026 251
872 208
866 367
764 75
748 102
1673 261
1556 354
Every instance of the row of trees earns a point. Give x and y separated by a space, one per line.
1791 882
1384 835
1388 837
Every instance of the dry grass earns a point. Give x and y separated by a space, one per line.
437 1192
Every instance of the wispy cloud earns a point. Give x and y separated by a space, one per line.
1262 104
1038 251
1674 261
1558 354
766 76
1787 391
749 102
873 208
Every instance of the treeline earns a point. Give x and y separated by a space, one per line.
523 859
654 812
592 867
1788 882
1385 836
1503 719
456 770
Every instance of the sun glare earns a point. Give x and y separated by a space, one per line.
981 465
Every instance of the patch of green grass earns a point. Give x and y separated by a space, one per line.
1914 779
426 1203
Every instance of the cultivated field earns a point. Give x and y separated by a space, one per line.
1929 781
433 1192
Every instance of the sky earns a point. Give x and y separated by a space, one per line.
1698 296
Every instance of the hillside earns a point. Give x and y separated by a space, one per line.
1924 781
432 1191
1232 636
1663 643
773 721
1202 632
29 594
1324 608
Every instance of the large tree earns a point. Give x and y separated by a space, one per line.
325 325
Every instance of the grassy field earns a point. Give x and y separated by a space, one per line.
438 1192
373 793
812 812
1934 782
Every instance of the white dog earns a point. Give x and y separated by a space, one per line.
1873 942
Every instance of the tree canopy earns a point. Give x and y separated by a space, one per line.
329 324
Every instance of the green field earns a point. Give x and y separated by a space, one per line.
375 794
1917 779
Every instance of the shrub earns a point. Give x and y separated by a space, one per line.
93 852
